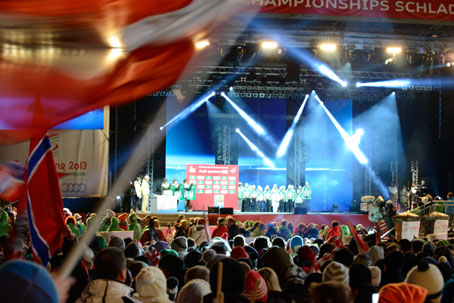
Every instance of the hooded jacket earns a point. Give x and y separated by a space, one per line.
105 291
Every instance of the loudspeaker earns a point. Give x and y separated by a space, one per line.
213 210
226 211
300 210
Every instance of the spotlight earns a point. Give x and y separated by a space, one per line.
394 50
328 47
360 131
344 83
161 128
231 88
201 44
254 148
448 64
398 83
358 84
269 45
237 130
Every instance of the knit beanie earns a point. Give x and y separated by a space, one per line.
194 291
376 253
209 256
192 259
344 256
362 259
402 292
295 242
160 245
239 252
252 278
166 252
197 272
278 260
337 272
376 275
442 243
232 276
428 276
359 274
180 245
24 282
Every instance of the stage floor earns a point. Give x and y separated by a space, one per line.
317 218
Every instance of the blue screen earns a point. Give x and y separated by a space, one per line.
90 120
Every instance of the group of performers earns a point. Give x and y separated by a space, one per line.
185 191
253 198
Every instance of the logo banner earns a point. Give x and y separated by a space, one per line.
438 10
216 185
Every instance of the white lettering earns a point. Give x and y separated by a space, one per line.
298 2
285 2
268 2
442 9
366 7
357 4
451 9
431 10
423 6
331 3
384 6
407 7
374 4
343 4
314 3
399 6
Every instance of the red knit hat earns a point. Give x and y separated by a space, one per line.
239 253
249 285
402 292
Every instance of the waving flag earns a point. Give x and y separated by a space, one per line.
44 202
12 175
81 55
362 246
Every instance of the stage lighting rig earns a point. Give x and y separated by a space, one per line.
328 47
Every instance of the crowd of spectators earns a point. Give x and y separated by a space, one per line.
261 262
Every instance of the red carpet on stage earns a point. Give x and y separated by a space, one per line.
297 219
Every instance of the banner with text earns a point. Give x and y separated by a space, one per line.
216 185
436 10
81 158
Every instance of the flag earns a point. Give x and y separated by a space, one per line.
44 202
12 185
362 246
82 55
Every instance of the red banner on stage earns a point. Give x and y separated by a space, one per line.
438 10
214 183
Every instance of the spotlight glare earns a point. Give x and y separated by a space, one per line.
394 50
269 45
254 148
399 83
328 72
358 84
201 44
328 47
344 83
161 128
231 88
448 64
237 130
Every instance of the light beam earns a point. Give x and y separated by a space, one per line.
254 148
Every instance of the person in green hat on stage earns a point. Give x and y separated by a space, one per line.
267 196
290 196
191 196
260 199
247 198
307 194
253 204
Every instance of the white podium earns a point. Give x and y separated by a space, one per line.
162 203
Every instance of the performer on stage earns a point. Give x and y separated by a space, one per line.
260 199
404 197
186 187
253 205
145 193
247 197
240 196
282 204
138 193
165 188
267 195
175 188
413 196
393 193
299 197
290 197
307 194
191 195
275 198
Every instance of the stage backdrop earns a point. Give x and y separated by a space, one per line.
214 183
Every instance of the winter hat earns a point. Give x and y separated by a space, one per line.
442 243
295 242
166 252
337 272
192 259
232 276
209 256
428 276
344 256
180 245
194 291
172 264
362 259
239 252
172 288
191 244
252 252
359 274
135 267
24 281
376 253
249 285
402 292
197 272
117 242
160 245
376 275
278 260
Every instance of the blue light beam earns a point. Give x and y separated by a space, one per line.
187 111
254 125
254 148
359 155
282 150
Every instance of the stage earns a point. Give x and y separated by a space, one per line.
317 218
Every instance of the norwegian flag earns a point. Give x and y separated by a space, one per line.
12 185
44 202
85 54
